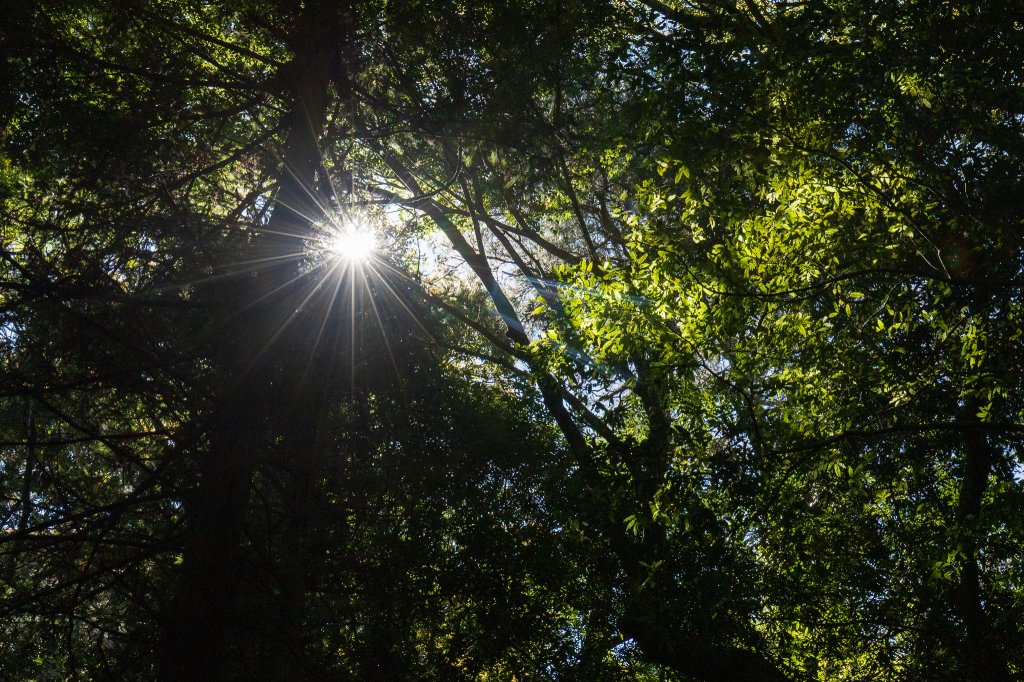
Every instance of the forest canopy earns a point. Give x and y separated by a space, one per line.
512 340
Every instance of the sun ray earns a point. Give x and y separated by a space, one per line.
328 309
408 309
352 339
302 304
380 323
215 276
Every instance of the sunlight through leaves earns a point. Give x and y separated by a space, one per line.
354 242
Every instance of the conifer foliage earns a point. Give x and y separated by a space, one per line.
682 340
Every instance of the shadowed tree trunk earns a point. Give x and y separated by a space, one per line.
983 656
251 365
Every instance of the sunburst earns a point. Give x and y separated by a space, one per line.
353 242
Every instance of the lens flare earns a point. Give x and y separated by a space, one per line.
352 243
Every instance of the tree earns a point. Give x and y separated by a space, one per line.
728 282
200 245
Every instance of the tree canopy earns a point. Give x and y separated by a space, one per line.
685 343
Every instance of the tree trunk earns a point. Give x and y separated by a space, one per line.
248 355
983 658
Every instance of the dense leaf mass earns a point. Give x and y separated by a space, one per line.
689 349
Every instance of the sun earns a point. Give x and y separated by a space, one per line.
353 243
